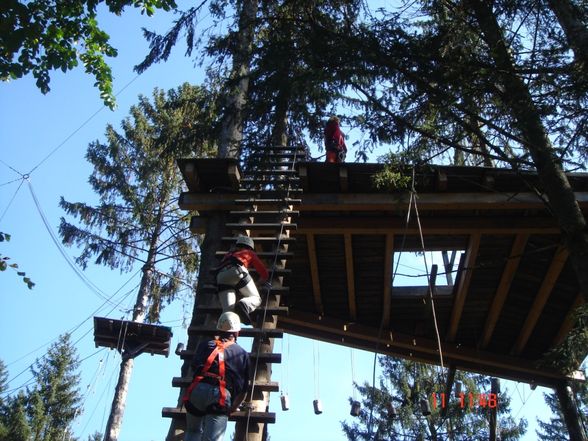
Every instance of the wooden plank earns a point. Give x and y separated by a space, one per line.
568 322
559 260
272 386
314 273
384 201
350 277
506 279
463 286
252 417
415 348
387 295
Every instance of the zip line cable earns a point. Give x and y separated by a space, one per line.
74 267
11 200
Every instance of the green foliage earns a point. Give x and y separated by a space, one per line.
41 36
137 182
4 237
46 411
555 428
395 175
403 387
571 352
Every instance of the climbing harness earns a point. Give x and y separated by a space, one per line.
210 377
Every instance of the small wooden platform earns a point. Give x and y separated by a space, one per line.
210 174
132 338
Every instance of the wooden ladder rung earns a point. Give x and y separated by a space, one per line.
212 309
266 357
272 386
254 417
264 254
261 226
245 332
268 201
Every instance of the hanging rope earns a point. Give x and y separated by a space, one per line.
430 290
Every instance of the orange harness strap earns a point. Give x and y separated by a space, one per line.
217 352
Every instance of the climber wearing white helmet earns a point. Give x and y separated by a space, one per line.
221 374
232 277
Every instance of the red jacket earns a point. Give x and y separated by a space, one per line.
248 258
334 136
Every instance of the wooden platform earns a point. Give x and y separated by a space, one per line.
510 299
132 338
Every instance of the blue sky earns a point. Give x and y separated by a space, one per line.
45 137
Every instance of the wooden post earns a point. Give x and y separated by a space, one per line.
570 412
495 389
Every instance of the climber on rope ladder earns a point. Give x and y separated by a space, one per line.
221 373
232 277
334 141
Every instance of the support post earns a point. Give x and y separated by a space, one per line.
570 412
494 389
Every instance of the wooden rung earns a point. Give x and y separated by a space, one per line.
261 226
269 201
245 332
264 254
276 310
264 239
262 194
272 386
275 289
268 357
265 213
254 417
271 171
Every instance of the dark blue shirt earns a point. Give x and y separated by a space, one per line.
236 365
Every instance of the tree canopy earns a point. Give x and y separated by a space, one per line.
41 36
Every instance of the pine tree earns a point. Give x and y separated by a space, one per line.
137 220
555 428
15 420
55 400
408 390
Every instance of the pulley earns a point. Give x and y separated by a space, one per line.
425 408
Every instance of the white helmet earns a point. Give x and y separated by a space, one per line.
229 322
245 240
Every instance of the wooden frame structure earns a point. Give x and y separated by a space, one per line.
513 293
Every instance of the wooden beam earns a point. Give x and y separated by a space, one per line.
384 201
387 297
568 322
506 279
350 277
415 348
559 260
463 286
303 175
439 225
314 273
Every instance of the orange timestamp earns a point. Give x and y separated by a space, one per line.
470 400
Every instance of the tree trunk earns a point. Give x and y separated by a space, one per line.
570 412
117 409
516 96
574 28
236 97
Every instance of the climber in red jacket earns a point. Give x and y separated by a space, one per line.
334 141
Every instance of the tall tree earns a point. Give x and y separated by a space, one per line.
55 400
408 405
555 427
137 221
14 419
41 36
